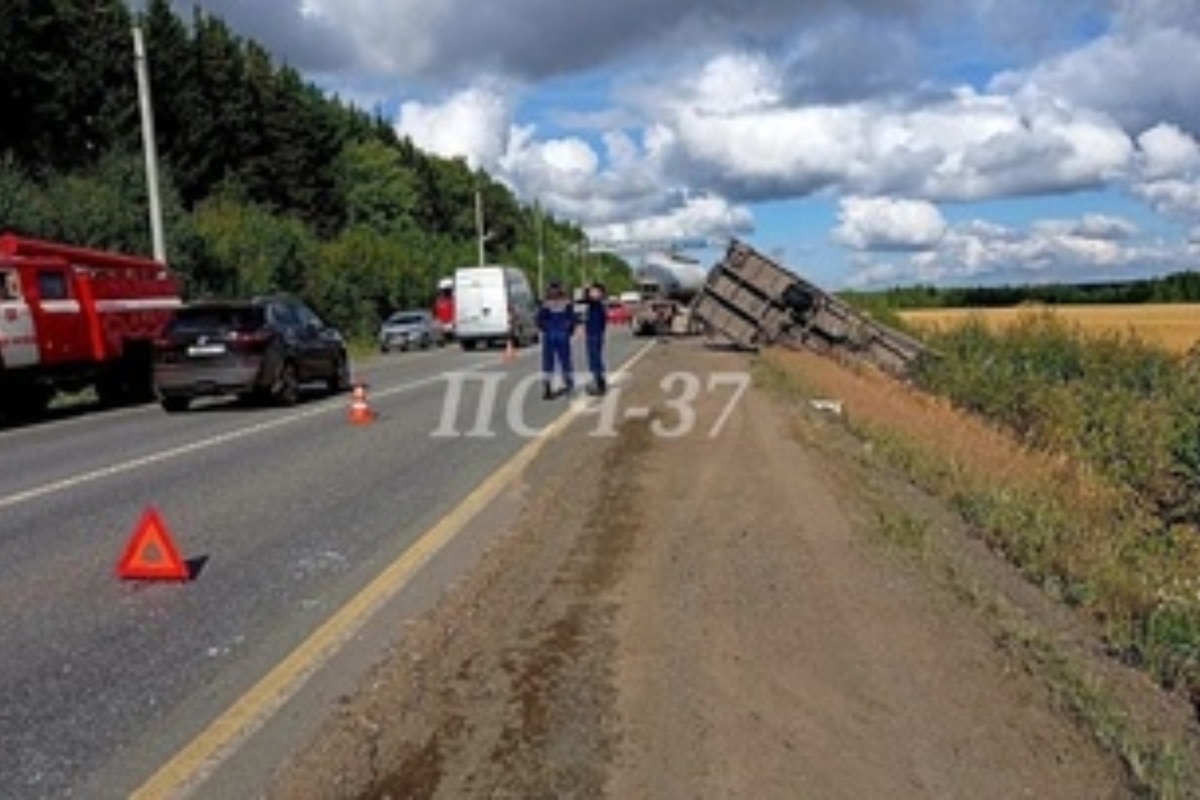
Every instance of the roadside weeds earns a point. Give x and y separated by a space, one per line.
1084 682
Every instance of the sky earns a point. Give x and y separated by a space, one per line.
865 143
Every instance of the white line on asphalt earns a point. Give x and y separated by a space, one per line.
203 444
206 444
93 415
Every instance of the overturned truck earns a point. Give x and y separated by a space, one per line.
752 301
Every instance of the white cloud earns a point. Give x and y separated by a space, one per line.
880 223
474 124
1100 227
458 40
954 146
1178 198
1167 151
734 83
698 109
1090 247
1146 70
698 218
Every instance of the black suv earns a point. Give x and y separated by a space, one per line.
262 348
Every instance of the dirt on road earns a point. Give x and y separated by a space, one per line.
697 616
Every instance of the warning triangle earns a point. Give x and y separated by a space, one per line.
151 554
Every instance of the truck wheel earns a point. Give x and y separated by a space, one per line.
25 403
110 389
175 405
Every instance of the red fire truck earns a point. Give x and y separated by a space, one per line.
72 318
443 306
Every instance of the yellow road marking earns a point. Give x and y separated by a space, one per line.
188 768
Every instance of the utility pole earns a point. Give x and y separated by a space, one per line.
479 226
583 262
541 255
148 144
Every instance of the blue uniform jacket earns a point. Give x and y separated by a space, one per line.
556 319
596 320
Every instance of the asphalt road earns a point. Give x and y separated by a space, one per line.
287 513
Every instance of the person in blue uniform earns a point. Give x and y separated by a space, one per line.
595 324
556 321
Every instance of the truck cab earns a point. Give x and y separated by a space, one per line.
72 318
18 346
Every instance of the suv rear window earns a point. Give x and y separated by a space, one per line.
216 318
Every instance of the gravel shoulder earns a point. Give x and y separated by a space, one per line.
696 617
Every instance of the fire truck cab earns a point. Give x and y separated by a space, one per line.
72 317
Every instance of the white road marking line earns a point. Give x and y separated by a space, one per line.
201 444
206 444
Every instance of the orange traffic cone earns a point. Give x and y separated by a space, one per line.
510 352
360 412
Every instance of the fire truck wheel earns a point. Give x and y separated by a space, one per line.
25 402
111 391
287 385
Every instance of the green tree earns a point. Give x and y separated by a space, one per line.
248 250
173 87
66 69
361 276
380 192
17 195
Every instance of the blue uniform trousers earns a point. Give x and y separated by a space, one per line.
557 348
595 356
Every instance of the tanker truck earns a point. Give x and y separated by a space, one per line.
667 283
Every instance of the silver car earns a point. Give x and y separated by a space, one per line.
410 330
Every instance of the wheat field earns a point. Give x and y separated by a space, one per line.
1174 326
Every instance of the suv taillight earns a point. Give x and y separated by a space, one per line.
251 339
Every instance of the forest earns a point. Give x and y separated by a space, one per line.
267 182
1180 287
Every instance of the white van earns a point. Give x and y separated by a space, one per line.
493 304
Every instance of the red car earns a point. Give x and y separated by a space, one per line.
619 313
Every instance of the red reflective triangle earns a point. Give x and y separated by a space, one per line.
151 554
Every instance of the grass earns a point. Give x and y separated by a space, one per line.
1065 527
361 349
905 531
1156 767
1175 326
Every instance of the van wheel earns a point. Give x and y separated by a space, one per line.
468 344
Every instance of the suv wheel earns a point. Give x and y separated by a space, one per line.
339 381
175 404
287 385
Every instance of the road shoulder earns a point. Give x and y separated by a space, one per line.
695 617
